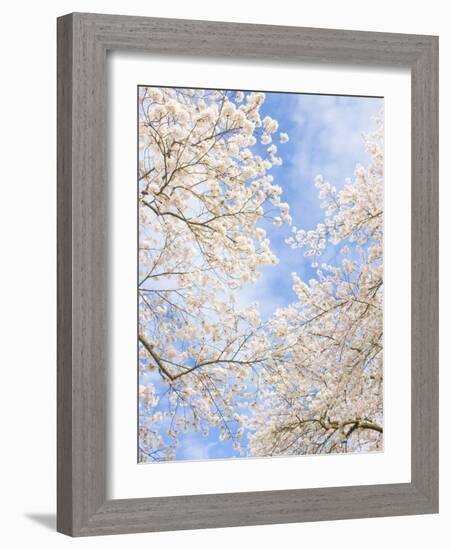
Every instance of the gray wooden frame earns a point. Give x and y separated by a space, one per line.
83 40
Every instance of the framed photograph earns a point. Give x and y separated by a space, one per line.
247 274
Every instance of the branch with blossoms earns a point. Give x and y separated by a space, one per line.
327 382
202 192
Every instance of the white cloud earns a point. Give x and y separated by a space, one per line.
330 129
195 450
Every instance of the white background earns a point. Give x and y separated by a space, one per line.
28 304
130 480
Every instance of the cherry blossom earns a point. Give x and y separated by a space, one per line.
202 192
326 364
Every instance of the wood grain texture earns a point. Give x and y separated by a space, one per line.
83 244
64 244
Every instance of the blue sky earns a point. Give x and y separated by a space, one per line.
325 137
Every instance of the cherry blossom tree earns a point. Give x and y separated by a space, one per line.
326 374
202 192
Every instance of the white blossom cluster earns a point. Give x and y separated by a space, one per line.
202 192
326 375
